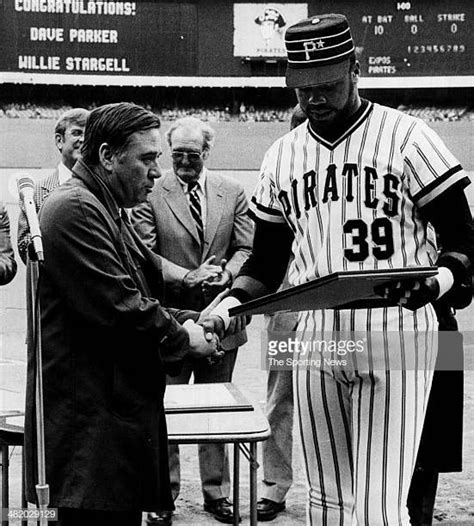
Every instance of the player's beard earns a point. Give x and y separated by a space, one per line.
332 126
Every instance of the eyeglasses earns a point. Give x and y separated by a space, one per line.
191 156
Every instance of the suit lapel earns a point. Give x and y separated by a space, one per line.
174 196
215 209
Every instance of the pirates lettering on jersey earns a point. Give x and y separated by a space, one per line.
376 188
390 186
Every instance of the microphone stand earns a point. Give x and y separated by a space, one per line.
42 488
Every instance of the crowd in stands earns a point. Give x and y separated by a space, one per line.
31 111
244 113
431 113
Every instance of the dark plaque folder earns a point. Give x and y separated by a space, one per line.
340 290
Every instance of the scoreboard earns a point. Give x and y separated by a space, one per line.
424 39
416 43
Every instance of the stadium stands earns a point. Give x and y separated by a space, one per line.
244 113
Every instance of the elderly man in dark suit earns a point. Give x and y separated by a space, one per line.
196 220
107 340
68 136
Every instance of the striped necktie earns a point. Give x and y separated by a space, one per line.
195 208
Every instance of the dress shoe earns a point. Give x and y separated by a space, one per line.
221 509
160 518
268 509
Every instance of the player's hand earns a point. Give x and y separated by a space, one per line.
202 343
213 324
205 272
231 324
411 294
205 313
238 324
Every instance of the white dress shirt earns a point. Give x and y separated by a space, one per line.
63 173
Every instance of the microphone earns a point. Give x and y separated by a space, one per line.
26 189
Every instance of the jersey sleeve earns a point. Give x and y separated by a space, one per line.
432 168
264 204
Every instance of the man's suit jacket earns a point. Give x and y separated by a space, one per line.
166 226
42 189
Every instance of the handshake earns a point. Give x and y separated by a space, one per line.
206 334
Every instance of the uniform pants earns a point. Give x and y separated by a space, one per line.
360 427
213 458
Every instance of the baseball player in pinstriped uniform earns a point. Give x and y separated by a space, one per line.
355 189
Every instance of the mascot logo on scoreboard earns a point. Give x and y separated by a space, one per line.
270 22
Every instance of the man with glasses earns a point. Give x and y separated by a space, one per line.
196 220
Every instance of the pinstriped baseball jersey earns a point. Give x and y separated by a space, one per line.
353 204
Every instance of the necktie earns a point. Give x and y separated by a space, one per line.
195 207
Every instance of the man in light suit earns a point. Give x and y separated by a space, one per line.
197 222
69 136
